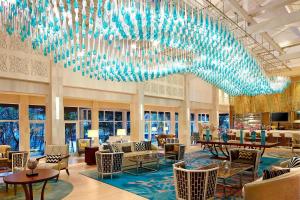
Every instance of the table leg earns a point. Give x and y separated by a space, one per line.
30 191
27 195
224 187
43 189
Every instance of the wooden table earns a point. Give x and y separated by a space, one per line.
89 155
22 179
215 146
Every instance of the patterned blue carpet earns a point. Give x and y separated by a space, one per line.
159 185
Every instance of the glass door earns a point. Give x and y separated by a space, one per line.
70 136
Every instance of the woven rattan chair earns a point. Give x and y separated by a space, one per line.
195 184
109 163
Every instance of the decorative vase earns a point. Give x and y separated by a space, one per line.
207 135
225 137
263 137
241 136
32 164
253 136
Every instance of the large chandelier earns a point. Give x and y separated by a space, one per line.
138 40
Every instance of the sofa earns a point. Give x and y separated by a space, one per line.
283 187
131 149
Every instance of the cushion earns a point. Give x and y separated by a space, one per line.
108 147
2 155
53 158
115 148
140 146
267 174
294 162
246 155
126 149
147 145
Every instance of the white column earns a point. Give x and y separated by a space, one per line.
214 113
137 115
184 117
24 144
56 107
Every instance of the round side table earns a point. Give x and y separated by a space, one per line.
21 178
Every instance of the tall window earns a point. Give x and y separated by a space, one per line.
9 125
176 124
193 125
157 123
224 121
110 122
71 121
85 121
37 117
203 118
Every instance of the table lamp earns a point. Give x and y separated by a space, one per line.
121 133
153 129
94 134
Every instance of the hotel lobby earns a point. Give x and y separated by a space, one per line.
150 99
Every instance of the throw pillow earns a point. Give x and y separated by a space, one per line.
53 158
126 149
108 147
147 145
245 155
115 148
294 162
140 146
267 174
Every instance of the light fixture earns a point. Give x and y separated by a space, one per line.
121 133
100 49
94 134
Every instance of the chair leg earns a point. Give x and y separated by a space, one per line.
15 189
6 187
67 170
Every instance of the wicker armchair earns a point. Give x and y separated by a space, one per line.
194 184
4 159
109 163
177 150
62 164
247 156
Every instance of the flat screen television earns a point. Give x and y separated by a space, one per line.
280 117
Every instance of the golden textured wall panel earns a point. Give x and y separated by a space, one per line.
287 101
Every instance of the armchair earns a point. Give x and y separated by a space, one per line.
177 150
109 163
247 156
81 144
61 164
295 142
4 159
194 184
161 139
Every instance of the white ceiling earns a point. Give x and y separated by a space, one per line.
274 23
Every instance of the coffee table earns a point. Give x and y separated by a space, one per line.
21 178
140 162
231 170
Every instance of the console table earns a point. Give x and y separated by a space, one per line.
89 155
215 146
